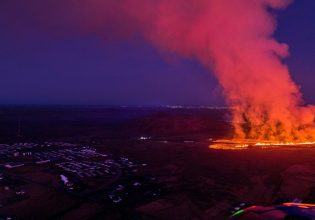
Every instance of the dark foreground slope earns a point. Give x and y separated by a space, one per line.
181 177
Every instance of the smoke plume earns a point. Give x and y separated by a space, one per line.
233 38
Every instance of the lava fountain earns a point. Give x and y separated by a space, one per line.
267 106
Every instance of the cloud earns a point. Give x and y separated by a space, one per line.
234 38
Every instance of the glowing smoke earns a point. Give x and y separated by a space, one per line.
232 37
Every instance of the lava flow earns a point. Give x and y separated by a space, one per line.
239 144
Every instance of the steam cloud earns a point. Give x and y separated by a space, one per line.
234 38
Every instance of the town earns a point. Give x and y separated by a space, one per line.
76 170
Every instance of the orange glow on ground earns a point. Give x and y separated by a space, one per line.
241 144
300 205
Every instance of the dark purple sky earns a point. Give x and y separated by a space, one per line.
39 68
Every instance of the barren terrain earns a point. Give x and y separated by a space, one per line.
195 182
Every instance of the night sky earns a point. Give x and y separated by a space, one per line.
38 67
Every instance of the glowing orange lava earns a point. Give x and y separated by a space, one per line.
241 144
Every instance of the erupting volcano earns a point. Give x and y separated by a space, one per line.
233 38
267 106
